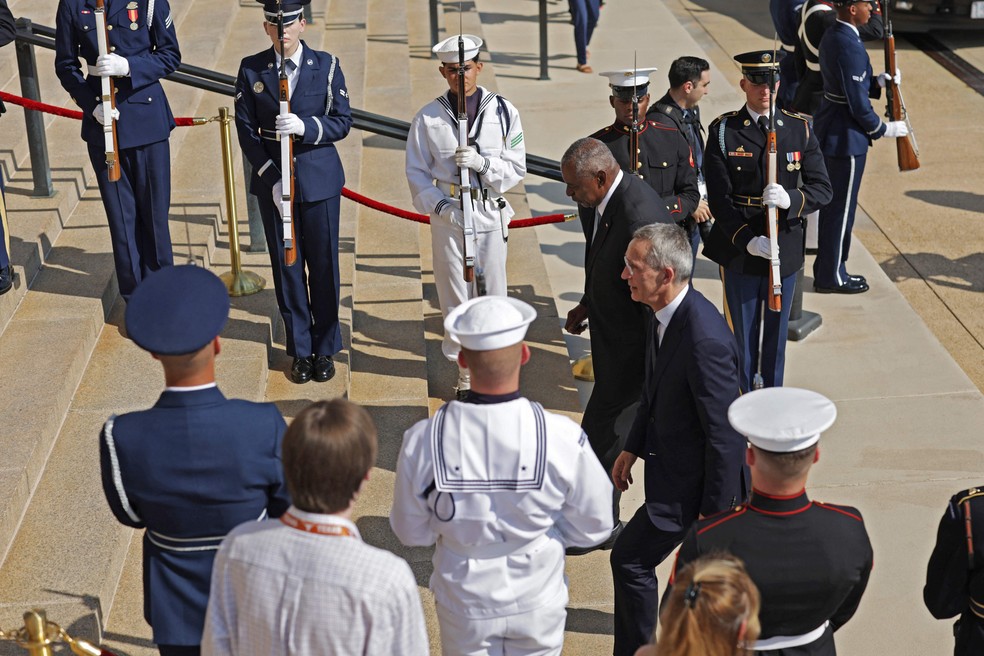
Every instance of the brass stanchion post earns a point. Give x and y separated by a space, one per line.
237 281
38 641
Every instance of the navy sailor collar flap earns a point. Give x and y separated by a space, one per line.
488 448
488 97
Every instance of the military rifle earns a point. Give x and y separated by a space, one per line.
286 151
468 229
634 133
772 212
107 97
908 149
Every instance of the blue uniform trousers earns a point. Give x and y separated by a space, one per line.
308 300
744 295
837 220
136 208
585 15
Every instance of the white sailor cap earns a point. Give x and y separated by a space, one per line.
447 50
624 80
486 323
782 419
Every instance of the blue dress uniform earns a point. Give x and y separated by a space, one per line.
192 467
141 31
786 20
308 300
8 32
955 576
734 164
846 124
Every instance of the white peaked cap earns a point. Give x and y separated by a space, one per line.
782 419
487 323
447 50
628 77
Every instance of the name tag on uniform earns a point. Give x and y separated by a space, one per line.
741 152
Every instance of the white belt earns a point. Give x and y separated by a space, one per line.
785 642
496 549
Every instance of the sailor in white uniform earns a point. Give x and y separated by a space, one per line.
501 524
496 158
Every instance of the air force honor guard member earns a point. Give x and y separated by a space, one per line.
143 49
496 157
846 124
501 523
809 560
195 465
662 157
735 163
308 290
955 576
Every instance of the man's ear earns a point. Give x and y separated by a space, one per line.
526 354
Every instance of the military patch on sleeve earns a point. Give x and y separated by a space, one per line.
860 78
343 93
518 139
239 95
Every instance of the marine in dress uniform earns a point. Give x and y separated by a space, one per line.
501 524
196 464
308 291
809 560
663 157
846 125
8 33
955 576
496 159
735 164
143 49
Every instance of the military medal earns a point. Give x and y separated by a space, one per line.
794 161
258 87
133 14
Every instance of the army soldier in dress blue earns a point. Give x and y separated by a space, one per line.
809 560
319 116
663 157
955 576
194 466
734 164
143 49
846 124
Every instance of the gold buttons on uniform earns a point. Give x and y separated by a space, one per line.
109 27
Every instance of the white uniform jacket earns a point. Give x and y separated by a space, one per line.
502 489
497 133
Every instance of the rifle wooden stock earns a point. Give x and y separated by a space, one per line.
772 226
908 155
108 98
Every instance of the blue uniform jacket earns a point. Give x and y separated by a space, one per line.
151 50
695 460
846 123
189 470
320 99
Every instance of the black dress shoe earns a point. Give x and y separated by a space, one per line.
324 368
604 546
6 279
853 278
849 287
301 370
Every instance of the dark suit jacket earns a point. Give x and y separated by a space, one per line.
695 460
189 470
617 322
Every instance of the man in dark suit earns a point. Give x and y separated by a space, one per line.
695 462
143 50
194 466
735 162
319 116
612 205
8 32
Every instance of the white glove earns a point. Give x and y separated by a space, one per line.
883 78
453 214
112 65
290 124
100 115
896 129
775 196
278 192
759 247
468 157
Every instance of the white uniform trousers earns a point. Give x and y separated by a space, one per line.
452 290
539 632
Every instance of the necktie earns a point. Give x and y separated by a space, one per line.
763 123
290 66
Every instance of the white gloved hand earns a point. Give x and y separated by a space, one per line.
290 124
883 78
112 65
100 115
277 193
896 129
774 195
453 214
468 157
759 247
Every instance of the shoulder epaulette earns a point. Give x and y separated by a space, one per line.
966 495
660 126
794 115
601 132
725 115
722 517
844 510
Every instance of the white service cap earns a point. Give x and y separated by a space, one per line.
487 323
782 419
629 77
447 50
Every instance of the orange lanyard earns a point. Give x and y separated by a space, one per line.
331 530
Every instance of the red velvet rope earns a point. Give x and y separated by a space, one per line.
348 193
